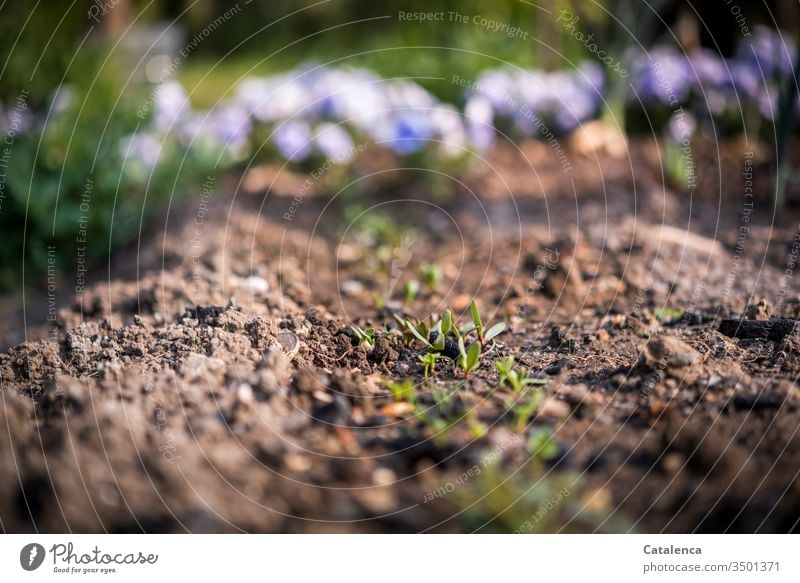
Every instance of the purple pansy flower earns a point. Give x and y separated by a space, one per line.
293 140
334 142
480 120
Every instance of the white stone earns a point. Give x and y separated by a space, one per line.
256 285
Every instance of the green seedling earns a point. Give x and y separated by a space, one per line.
367 336
541 444
428 361
476 428
667 314
447 322
378 230
484 336
468 358
439 418
422 333
413 332
446 330
517 379
411 290
504 367
431 275
401 390
525 409
379 301
443 397
442 329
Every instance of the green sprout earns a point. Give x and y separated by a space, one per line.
431 275
446 330
442 328
401 390
541 444
447 322
438 418
476 428
468 358
442 398
413 331
517 379
477 326
667 314
525 409
504 368
367 336
411 289
422 333
428 361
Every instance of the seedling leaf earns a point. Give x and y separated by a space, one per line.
402 390
473 354
438 343
466 328
447 321
542 445
495 330
416 334
476 316
462 353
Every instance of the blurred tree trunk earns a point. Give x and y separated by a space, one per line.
117 19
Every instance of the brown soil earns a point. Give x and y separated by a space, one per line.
214 383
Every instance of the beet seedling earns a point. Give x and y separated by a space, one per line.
402 390
668 314
517 379
428 361
523 410
445 338
476 428
447 322
541 444
367 336
477 325
413 332
411 290
440 331
431 275
468 358
434 337
440 418
504 367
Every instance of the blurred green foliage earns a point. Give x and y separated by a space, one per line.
371 34
69 185
37 44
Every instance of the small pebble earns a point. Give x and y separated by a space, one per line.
551 407
289 342
256 285
384 477
244 394
351 287
666 352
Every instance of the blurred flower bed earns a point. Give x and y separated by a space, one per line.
138 157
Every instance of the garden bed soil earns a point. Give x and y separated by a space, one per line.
214 384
